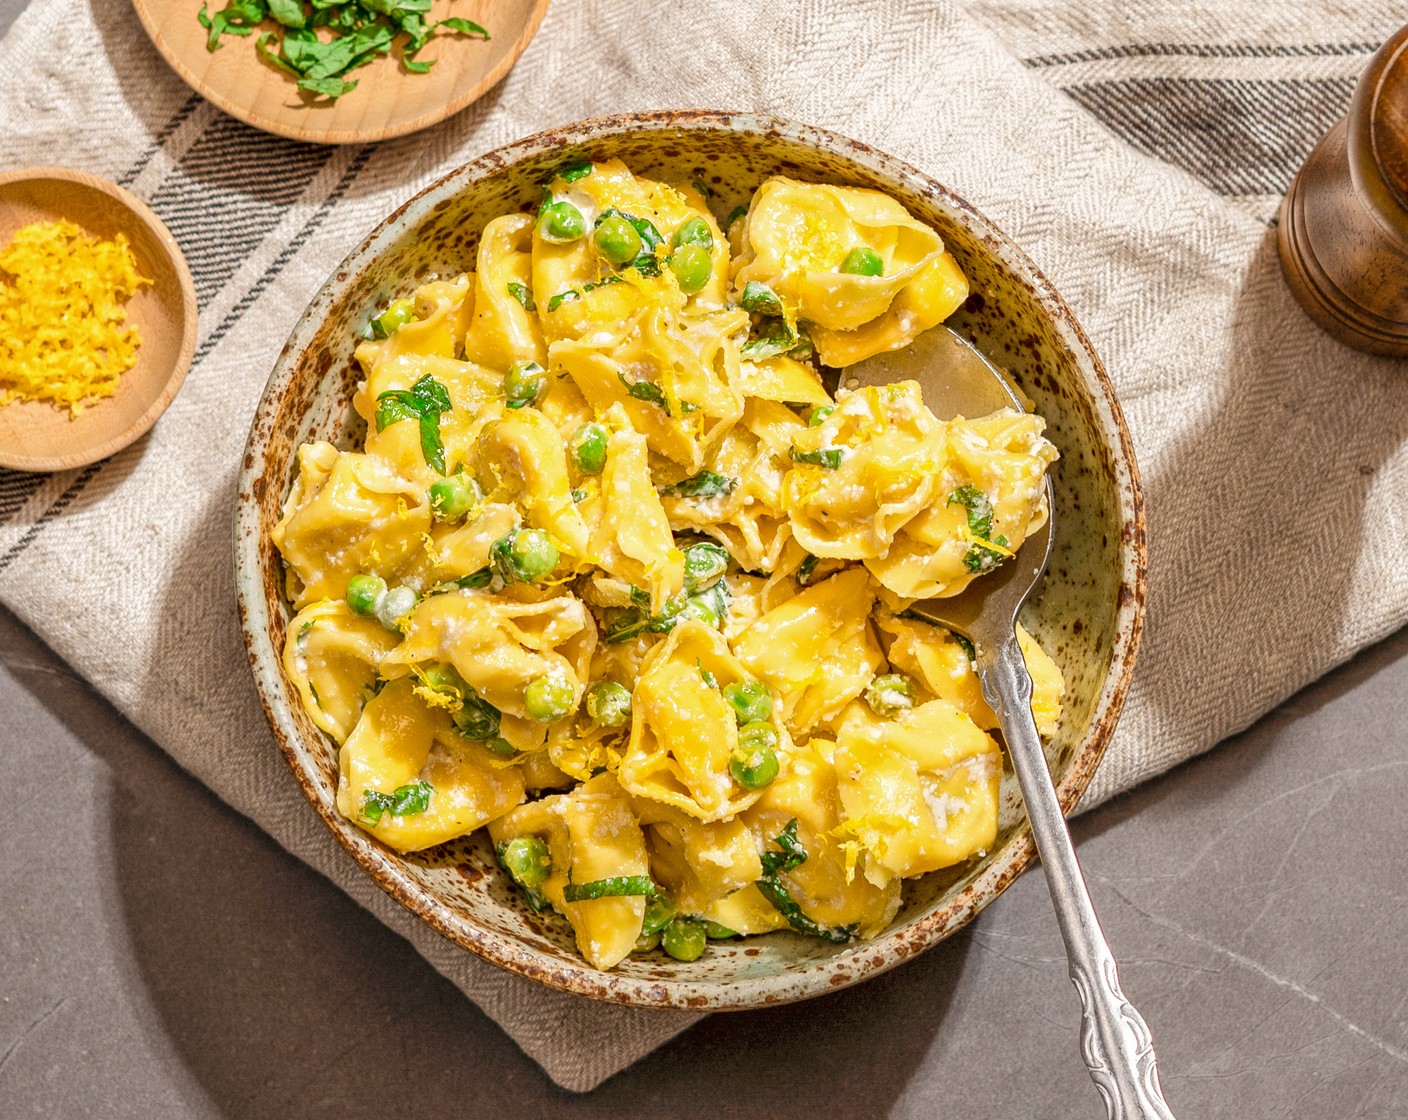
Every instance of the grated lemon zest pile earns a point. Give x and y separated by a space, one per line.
64 336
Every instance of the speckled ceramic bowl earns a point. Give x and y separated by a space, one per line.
1088 611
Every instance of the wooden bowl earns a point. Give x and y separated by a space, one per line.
387 102
36 436
1087 612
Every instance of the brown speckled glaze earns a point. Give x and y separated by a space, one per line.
1088 611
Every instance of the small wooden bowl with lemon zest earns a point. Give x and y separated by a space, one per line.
37 435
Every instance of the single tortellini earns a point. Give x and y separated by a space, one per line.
591 834
502 330
988 498
851 263
864 472
475 394
739 500
332 656
347 513
919 791
521 458
825 885
671 377
684 733
816 650
697 862
404 752
935 658
500 644
630 536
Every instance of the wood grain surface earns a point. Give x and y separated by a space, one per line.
388 101
36 436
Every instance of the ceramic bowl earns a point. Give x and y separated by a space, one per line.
1087 612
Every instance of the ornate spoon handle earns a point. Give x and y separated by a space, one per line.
1115 1042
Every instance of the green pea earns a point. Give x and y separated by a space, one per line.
588 444
751 700
548 699
701 607
561 223
658 914
478 719
524 383
684 939
694 232
526 858
692 266
452 498
864 261
444 678
756 735
755 768
364 592
524 555
646 942
819 415
715 932
397 314
704 563
395 605
617 240
890 694
609 704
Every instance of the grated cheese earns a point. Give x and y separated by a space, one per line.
64 336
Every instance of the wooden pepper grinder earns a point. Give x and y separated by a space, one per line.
1344 223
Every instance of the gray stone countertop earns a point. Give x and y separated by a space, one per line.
162 957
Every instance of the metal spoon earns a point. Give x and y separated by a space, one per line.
1115 1042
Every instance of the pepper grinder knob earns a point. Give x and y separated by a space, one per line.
1343 233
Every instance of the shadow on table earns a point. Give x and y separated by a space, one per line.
1258 517
278 994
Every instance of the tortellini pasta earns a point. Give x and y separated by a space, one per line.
616 575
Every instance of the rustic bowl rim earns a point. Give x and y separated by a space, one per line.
819 976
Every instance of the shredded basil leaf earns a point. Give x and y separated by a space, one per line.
705 484
760 300
646 391
617 886
574 171
361 32
791 855
979 507
980 558
828 457
806 569
571 295
734 214
404 801
424 402
522 295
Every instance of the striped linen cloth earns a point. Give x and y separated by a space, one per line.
1137 151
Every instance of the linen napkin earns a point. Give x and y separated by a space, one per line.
1275 461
